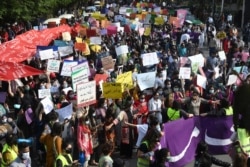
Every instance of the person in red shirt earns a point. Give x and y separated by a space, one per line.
141 106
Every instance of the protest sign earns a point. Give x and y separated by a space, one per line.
78 40
90 33
66 90
146 80
238 69
111 30
81 66
47 105
149 59
126 80
66 36
46 54
3 96
79 76
184 73
99 77
112 90
232 79
66 68
197 59
65 112
80 46
65 50
53 65
183 61
121 50
86 93
107 63
42 93
201 81
95 40
222 55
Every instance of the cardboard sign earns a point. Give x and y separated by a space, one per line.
184 73
46 54
149 59
197 59
53 65
112 90
48 105
222 55
232 79
80 46
86 94
126 80
201 81
66 36
65 50
107 63
66 68
99 77
65 112
121 50
79 76
95 40
146 80
42 93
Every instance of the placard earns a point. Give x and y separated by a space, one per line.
46 54
222 55
81 66
184 73
53 65
146 80
65 112
201 81
123 49
48 105
126 80
232 79
107 63
112 90
66 36
79 76
95 40
66 68
197 59
149 59
86 93
65 50
42 93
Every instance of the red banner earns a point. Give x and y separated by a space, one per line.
11 71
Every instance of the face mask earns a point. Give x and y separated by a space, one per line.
4 120
168 86
68 150
142 100
234 87
87 122
25 156
42 87
176 89
72 96
160 92
211 91
94 114
220 84
168 158
65 85
27 88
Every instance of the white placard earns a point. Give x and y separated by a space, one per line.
65 112
149 59
65 50
222 55
42 93
201 81
121 50
46 54
66 68
79 76
184 73
53 65
66 90
197 59
81 66
146 80
86 93
66 36
232 79
95 40
47 105
117 24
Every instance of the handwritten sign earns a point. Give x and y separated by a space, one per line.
121 50
46 54
42 93
184 73
81 66
66 36
149 59
107 62
95 40
126 80
201 81
146 80
232 79
65 112
86 93
47 105
53 65
112 90
66 68
197 59
79 77
65 50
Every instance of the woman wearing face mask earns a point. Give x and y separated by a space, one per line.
141 106
23 159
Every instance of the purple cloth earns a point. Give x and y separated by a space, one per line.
182 136
3 97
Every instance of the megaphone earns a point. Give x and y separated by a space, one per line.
29 141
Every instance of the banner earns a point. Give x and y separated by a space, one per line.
66 68
11 71
181 14
86 94
112 90
182 145
149 59
65 112
107 63
121 50
53 65
146 80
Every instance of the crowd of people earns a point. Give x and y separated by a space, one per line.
32 137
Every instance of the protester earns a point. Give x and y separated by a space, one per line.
23 159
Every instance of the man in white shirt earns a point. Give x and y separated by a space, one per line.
185 37
155 106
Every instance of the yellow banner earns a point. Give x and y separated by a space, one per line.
112 90
126 80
